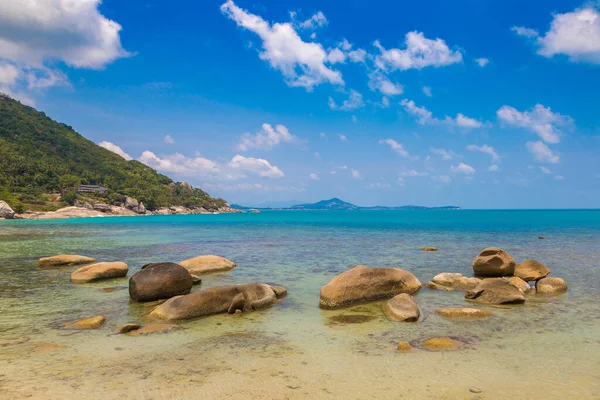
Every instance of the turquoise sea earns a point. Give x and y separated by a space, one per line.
548 348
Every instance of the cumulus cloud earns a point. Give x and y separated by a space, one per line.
179 164
463 168
378 81
115 149
314 177
445 154
542 153
526 32
398 148
538 119
419 52
169 140
256 166
267 138
485 149
301 63
354 101
423 115
357 56
463 121
482 62
318 20
336 56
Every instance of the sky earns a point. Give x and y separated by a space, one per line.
479 104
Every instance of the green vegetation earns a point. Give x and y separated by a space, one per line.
40 156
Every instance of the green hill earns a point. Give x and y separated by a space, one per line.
39 156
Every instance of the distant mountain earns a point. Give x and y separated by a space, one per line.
338 204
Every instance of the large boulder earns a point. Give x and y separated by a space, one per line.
206 264
496 291
362 284
401 308
452 281
531 270
64 260
493 262
5 210
551 286
159 281
99 271
131 203
217 300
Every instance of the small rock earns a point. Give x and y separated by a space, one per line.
428 248
541 237
64 260
441 344
404 347
99 271
47 347
128 328
495 291
475 390
87 323
463 314
520 284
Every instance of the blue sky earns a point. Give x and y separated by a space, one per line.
477 104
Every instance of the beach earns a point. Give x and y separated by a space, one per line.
546 348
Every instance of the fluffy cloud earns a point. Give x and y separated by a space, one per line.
301 63
354 101
463 121
539 119
419 53
482 62
357 55
542 153
314 177
398 148
256 166
267 138
115 149
318 20
485 149
378 81
575 34
445 154
169 140
422 114
336 56
463 168
180 164
247 187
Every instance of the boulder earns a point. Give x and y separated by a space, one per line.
463 314
206 264
99 271
159 281
463 283
441 343
131 203
520 284
217 300
401 308
101 207
452 281
186 185
434 286
493 262
531 270
551 286
5 211
153 328
64 260
87 323
495 291
428 248
362 284
141 209
446 278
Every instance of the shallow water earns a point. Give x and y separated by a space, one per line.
546 348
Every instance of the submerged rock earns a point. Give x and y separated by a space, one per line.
441 344
493 262
551 286
401 308
206 264
428 248
362 284
99 271
87 323
495 291
217 300
531 270
404 347
153 328
463 314
64 260
159 281
345 319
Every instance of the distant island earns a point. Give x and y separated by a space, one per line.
338 204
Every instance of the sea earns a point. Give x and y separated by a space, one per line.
547 348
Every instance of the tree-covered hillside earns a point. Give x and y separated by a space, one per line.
39 155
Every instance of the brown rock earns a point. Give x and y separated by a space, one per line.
446 278
464 283
207 264
520 284
128 328
362 284
217 300
159 281
404 347
441 344
153 328
493 262
280 291
434 286
87 323
428 248
401 308
463 314
453 281
6 211
551 286
64 260
495 291
99 271
531 270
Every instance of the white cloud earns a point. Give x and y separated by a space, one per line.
9 73
180 164
314 177
385 102
354 101
356 174
169 140
482 62
400 181
267 138
357 56
463 168
539 119
559 178
422 114
485 149
419 53
336 56
301 63
542 153
115 149
463 121
257 166
493 168
345 45
378 81
343 138
545 170
398 148
246 187
445 154
318 20
526 32
427 91
413 172
378 185
354 119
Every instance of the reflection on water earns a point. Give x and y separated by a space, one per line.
547 348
